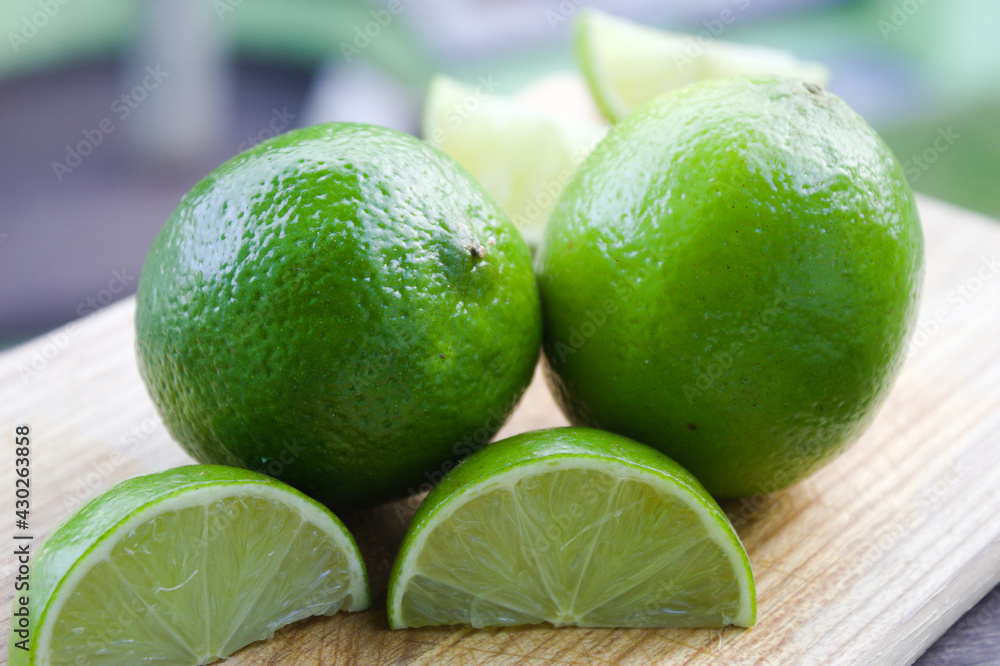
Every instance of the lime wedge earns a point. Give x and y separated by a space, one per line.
523 155
627 64
186 566
570 526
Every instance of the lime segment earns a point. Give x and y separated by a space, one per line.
187 566
627 64
522 155
571 526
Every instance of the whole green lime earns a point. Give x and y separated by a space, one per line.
731 278
342 307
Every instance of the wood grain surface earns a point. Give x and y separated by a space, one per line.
866 562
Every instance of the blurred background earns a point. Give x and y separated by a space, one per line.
110 110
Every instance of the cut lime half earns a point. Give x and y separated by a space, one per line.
523 155
627 64
571 526
187 566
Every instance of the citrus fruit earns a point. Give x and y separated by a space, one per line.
523 155
341 307
186 566
570 526
627 64
731 278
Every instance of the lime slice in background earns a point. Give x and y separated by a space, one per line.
187 566
627 64
523 154
571 526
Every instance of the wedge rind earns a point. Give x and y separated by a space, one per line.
570 526
159 559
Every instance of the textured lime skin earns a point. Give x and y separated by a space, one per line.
83 531
338 307
731 278
529 448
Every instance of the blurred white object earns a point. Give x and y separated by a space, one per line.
564 93
176 86
360 92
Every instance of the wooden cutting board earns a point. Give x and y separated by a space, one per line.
868 561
